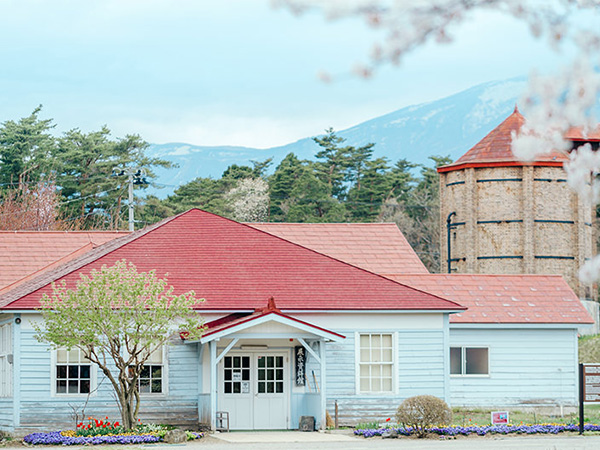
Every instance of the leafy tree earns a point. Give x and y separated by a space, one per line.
204 193
358 162
25 149
249 200
310 200
118 317
333 162
365 200
83 165
416 213
32 207
281 185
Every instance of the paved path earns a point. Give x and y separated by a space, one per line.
294 440
323 441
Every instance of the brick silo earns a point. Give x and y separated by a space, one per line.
500 215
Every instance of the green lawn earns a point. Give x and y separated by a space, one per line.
589 349
465 417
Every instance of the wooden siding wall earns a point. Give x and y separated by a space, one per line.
6 414
38 408
420 369
527 368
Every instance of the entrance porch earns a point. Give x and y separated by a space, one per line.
266 369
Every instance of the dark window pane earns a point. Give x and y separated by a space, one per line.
237 362
144 386
270 374
145 372
228 388
73 387
270 361
228 374
280 361
84 386
61 387
236 387
270 388
261 374
279 387
246 362
61 371
261 387
156 386
246 374
156 371
73 371
476 361
228 361
261 361
455 361
279 374
84 371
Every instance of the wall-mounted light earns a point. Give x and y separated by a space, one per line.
18 320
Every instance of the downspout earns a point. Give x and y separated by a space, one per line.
449 227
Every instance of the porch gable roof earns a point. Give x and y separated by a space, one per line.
236 322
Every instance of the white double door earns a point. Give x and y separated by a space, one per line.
254 389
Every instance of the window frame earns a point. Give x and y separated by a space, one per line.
164 376
54 378
463 361
393 363
6 356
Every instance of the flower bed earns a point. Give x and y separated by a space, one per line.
58 438
99 434
483 430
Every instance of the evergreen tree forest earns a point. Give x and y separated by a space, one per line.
67 182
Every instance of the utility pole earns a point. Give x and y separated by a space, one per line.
134 176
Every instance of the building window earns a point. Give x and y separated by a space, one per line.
73 372
6 360
236 375
152 374
376 362
469 361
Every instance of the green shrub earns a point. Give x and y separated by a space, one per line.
422 412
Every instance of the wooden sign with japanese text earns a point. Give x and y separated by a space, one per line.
591 382
300 359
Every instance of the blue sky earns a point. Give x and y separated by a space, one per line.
235 72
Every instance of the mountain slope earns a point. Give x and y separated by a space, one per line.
449 126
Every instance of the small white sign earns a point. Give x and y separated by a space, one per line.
245 387
500 418
237 376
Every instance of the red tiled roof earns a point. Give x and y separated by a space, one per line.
576 134
236 267
25 252
505 298
377 247
495 149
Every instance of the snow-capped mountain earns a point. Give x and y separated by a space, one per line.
449 126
